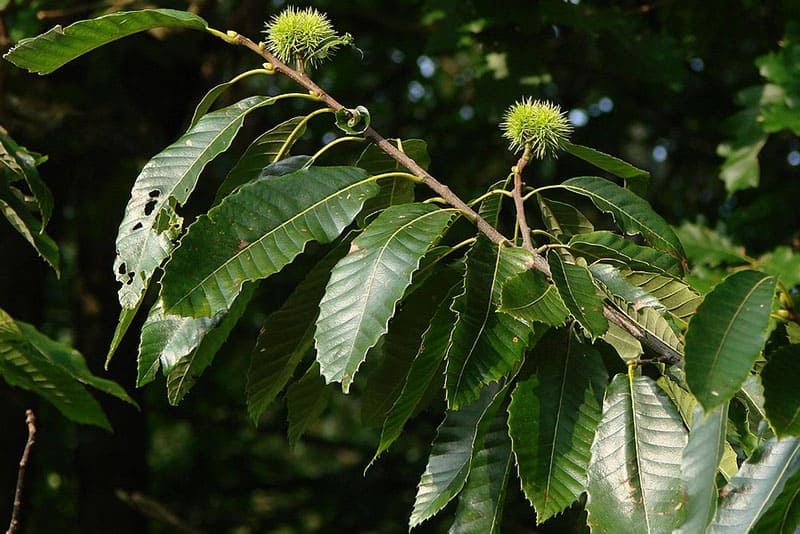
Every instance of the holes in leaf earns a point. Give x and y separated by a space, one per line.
121 268
154 193
137 226
130 278
150 206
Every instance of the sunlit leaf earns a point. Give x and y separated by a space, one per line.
636 179
605 246
530 297
47 52
758 484
366 285
255 232
562 219
634 476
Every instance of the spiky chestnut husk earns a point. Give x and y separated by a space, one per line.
538 125
303 36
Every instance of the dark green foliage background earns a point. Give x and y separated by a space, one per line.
102 117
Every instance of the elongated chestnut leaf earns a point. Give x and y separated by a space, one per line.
366 285
605 246
574 284
636 179
255 232
634 476
726 336
51 50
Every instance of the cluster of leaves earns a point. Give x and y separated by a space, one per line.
29 359
767 109
690 425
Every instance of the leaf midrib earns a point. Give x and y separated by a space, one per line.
550 465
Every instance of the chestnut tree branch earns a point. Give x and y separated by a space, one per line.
664 352
30 420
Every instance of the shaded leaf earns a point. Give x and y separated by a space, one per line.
188 369
707 247
574 284
562 219
781 377
480 504
255 232
605 246
528 296
616 283
146 233
21 162
215 92
23 221
427 361
726 336
484 344
366 285
758 484
306 399
401 344
263 155
287 335
393 190
24 365
631 213
552 420
451 454
47 52
677 297
353 121
627 346
634 476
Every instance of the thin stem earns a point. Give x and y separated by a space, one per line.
537 231
519 204
538 190
489 194
545 248
333 144
434 200
30 420
291 138
399 174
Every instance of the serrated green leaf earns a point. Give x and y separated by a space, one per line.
627 346
215 92
306 399
758 484
21 162
562 219
783 517
782 403
23 221
574 284
616 283
287 335
393 190
484 344
188 368
704 246
401 345
126 317
47 52
255 232
480 504
452 453
701 460
636 179
24 365
530 297
634 476
677 297
605 246
366 285
428 360
652 322
552 420
631 213
263 157
726 336
146 233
